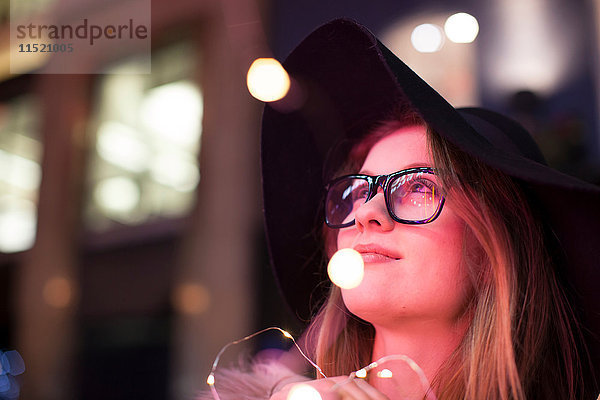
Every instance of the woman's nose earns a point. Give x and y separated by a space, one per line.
374 215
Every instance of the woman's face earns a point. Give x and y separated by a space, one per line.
412 272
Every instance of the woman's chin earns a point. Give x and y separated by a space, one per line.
370 306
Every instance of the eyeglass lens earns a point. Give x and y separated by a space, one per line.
412 197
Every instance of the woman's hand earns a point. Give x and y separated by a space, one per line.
334 389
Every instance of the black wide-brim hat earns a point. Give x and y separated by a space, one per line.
348 82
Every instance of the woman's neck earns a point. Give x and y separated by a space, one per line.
429 343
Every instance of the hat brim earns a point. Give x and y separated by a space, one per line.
349 82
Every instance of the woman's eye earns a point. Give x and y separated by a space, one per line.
423 186
361 192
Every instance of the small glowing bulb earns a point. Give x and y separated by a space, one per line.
287 335
303 392
210 380
461 28
267 80
385 373
346 268
361 373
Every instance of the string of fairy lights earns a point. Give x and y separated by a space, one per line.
346 270
303 391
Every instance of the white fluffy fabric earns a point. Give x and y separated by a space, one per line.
257 382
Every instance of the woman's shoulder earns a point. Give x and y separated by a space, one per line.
253 381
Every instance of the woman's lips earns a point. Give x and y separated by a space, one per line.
376 258
373 253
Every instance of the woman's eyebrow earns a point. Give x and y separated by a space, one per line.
411 165
418 165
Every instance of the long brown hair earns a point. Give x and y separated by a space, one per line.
522 341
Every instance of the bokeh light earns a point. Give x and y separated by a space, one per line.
19 171
461 28
346 268
9 388
176 169
18 221
58 292
303 392
532 47
146 162
173 112
427 38
191 298
12 363
267 80
121 145
117 195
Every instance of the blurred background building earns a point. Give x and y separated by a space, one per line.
131 241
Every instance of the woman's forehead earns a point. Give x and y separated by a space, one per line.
401 149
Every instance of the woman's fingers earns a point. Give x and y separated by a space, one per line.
299 391
351 391
370 390
359 389
338 388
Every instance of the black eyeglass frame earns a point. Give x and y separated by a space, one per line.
382 181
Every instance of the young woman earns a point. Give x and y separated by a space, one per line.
481 263
462 284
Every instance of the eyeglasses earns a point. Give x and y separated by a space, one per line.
411 196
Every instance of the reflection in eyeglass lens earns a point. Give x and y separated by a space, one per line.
414 197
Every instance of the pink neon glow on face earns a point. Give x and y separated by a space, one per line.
411 271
